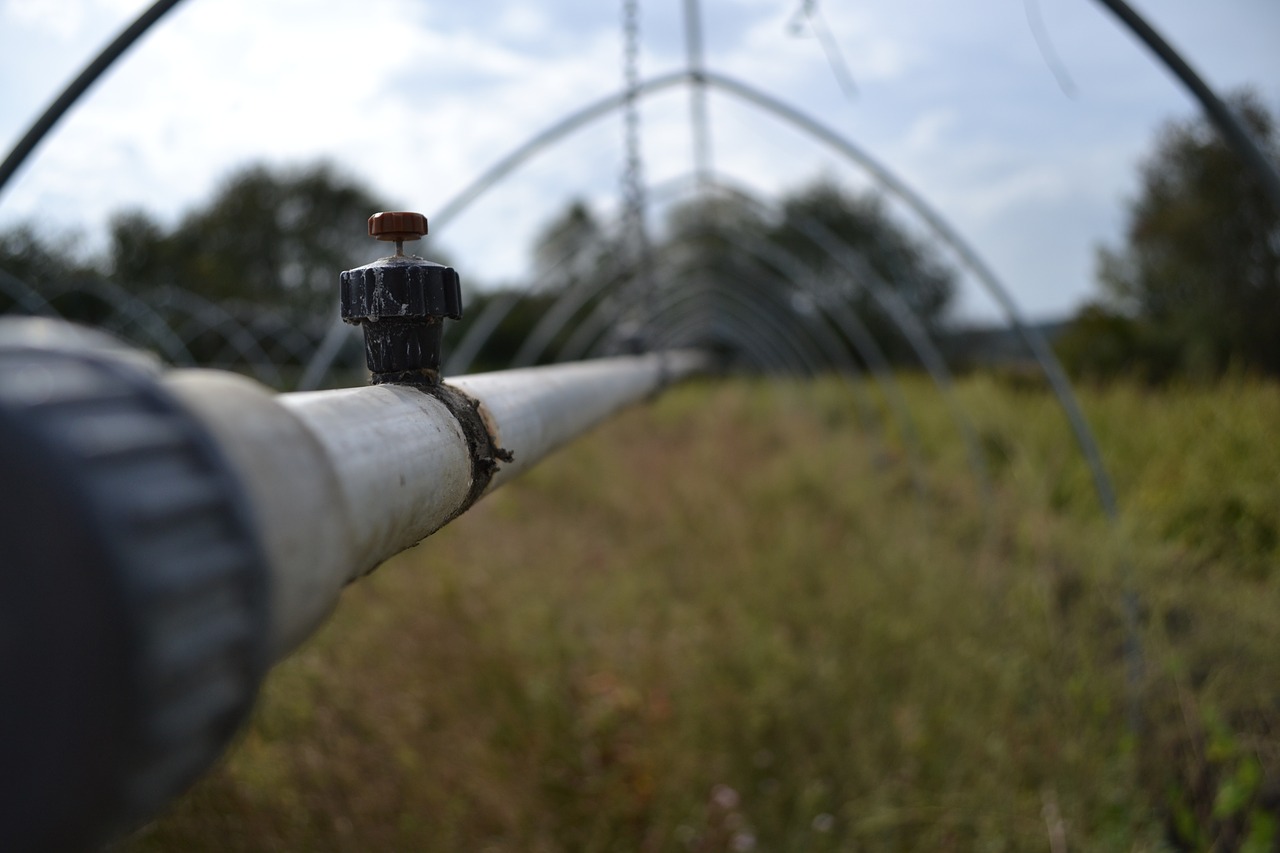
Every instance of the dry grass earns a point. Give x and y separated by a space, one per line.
720 623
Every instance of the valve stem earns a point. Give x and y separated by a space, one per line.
401 302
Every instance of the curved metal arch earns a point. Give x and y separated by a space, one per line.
931 358
597 109
86 78
588 337
818 332
134 310
699 77
968 256
1034 340
814 331
700 328
206 316
704 286
765 326
480 331
274 328
836 352
902 316
25 295
753 323
559 315
855 332
863 342
562 312
792 271
548 326
1232 130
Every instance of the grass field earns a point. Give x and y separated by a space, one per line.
729 621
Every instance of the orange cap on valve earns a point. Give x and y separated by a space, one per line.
397 225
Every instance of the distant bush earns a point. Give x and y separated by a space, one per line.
1200 260
1102 344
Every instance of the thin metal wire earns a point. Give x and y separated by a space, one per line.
131 309
1219 113
809 11
77 87
1041 34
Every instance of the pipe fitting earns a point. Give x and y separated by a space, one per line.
401 302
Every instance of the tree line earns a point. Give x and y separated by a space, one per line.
1193 289
271 242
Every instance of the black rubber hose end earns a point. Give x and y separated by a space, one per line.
133 595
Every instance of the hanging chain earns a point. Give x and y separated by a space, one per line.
633 168
635 236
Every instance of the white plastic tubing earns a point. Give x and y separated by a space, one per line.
340 481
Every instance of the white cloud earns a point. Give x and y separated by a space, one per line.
44 17
417 98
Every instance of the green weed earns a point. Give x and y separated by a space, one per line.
726 622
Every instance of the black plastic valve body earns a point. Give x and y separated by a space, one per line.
133 591
402 302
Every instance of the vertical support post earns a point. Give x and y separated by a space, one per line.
698 122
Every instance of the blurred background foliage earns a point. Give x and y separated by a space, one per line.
271 243
1192 291
720 623
1195 288
754 633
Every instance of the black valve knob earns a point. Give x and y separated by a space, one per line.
401 301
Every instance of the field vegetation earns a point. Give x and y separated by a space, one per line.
731 620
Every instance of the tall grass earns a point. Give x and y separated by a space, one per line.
729 621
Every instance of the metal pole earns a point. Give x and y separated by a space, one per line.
698 121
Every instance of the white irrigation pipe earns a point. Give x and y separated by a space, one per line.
168 536
340 481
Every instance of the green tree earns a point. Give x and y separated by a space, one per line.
1101 343
847 239
269 237
268 248
1201 259
728 239
839 239
568 249
139 252
50 265
34 256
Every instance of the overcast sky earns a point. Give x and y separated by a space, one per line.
416 97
